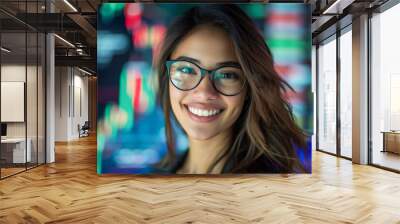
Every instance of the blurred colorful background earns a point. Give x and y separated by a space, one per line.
130 135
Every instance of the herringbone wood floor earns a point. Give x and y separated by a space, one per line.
70 191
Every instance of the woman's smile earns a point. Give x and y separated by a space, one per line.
201 112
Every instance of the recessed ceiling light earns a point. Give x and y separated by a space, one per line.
5 50
70 5
337 7
334 7
64 40
84 71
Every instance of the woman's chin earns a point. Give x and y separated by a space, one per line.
201 136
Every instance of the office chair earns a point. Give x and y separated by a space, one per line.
84 130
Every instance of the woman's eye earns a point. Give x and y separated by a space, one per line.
186 70
227 76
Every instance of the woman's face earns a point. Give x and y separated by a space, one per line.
203 112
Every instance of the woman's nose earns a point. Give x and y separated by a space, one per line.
205 89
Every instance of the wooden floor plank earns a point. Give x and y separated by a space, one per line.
70 191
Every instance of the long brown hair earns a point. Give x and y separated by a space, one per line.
265 132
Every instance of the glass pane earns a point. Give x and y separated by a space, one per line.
314 90
385 86
41 98
346 94
23 82
32 84
31 97
14 152
327 97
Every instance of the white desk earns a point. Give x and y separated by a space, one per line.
18 149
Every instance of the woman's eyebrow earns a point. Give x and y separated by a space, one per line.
221 64
229 63
185 58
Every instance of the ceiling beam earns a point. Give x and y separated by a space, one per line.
82 61
337 7
86 26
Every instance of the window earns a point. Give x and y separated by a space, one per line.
346 93
327 96
385 89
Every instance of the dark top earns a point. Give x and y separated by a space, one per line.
261 165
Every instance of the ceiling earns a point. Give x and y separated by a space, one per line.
72 20
75 21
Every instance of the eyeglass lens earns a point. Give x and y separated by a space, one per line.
186 76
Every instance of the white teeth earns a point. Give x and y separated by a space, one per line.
203 113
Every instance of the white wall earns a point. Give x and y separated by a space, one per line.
14 73
80 110
71 94
62 81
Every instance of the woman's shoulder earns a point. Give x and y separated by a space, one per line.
170 165
265 165
262 164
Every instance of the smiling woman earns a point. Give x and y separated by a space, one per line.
217 79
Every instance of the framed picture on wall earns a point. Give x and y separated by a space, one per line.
12 101
204 88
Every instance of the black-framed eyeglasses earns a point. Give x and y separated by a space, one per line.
186 75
